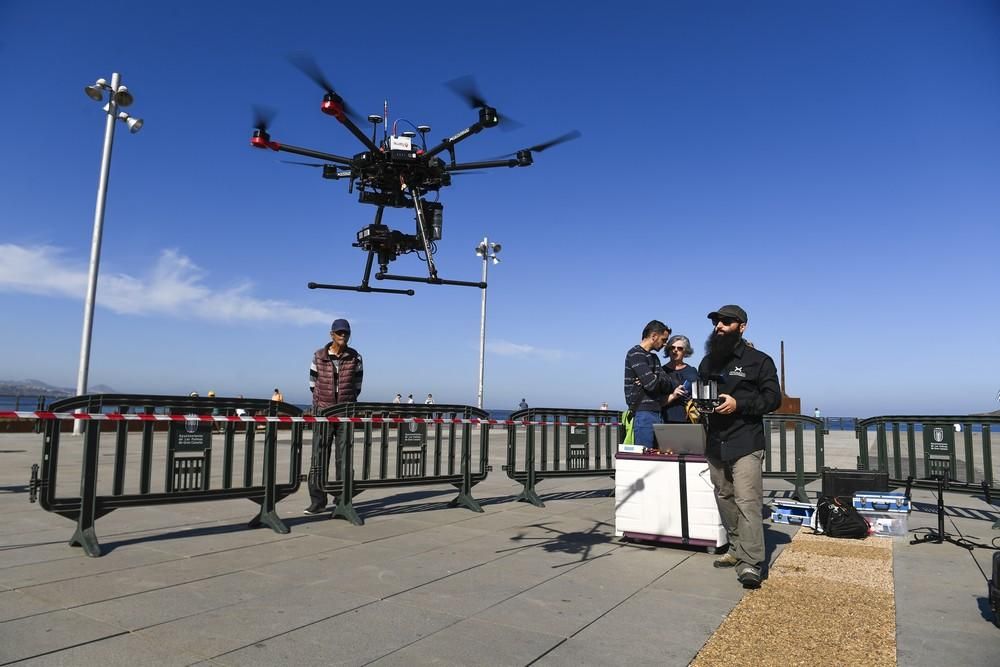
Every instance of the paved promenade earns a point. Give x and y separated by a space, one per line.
420 583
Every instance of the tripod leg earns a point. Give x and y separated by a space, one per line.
940 511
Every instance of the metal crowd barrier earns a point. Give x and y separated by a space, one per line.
586 449
776 427
188 456
946 447
403 454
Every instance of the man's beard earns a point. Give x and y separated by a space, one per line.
718 346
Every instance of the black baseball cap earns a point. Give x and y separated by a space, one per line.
732 311
341 325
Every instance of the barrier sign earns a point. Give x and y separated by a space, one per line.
413 434
191 435
577 435
939 450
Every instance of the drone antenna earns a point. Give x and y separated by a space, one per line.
385 115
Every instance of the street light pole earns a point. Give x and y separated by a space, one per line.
118 96
488 251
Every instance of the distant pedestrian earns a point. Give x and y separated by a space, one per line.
277 395
523 405
216 427
816 413
604 405
334 378
398 399
647 385
429 400
409 398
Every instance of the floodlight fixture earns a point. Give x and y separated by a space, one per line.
134 124
123 97
94 92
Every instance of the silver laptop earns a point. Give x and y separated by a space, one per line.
680 438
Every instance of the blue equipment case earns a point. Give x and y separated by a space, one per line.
880 501
792 512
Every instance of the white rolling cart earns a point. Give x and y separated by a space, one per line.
668 499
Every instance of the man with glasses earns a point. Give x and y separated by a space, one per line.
334 377
749 389
647 385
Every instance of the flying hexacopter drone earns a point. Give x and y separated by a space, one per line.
398 172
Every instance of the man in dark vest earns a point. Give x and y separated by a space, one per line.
749 389
334 377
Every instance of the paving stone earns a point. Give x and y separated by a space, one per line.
231 628
126 650
353 638
28 637
17 604
145 609
473 642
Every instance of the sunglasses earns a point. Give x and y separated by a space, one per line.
679 349
341 333
725 320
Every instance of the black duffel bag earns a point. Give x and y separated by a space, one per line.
835 519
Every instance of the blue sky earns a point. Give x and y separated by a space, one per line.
832 167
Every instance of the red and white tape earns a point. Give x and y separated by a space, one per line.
44 415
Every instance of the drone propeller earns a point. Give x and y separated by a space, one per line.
466 88
263 117
538 148
306 64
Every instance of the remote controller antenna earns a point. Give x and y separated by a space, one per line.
385 115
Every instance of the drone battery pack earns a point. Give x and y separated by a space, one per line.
845 483
400 144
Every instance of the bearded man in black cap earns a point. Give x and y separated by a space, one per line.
749 389
334 377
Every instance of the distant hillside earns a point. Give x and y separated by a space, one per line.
32 387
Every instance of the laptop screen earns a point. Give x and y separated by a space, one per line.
680 438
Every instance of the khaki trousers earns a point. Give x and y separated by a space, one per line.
739 493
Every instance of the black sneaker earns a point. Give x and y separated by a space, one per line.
749 576
313 510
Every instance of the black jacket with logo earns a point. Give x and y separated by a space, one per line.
749 376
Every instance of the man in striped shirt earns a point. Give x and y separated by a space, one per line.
647 385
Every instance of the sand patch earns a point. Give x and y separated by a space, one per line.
825 602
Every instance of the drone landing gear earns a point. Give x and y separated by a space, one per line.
434 280
387 244
364 287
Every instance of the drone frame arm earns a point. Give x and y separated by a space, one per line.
488 164
356 131
450 142
308 152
